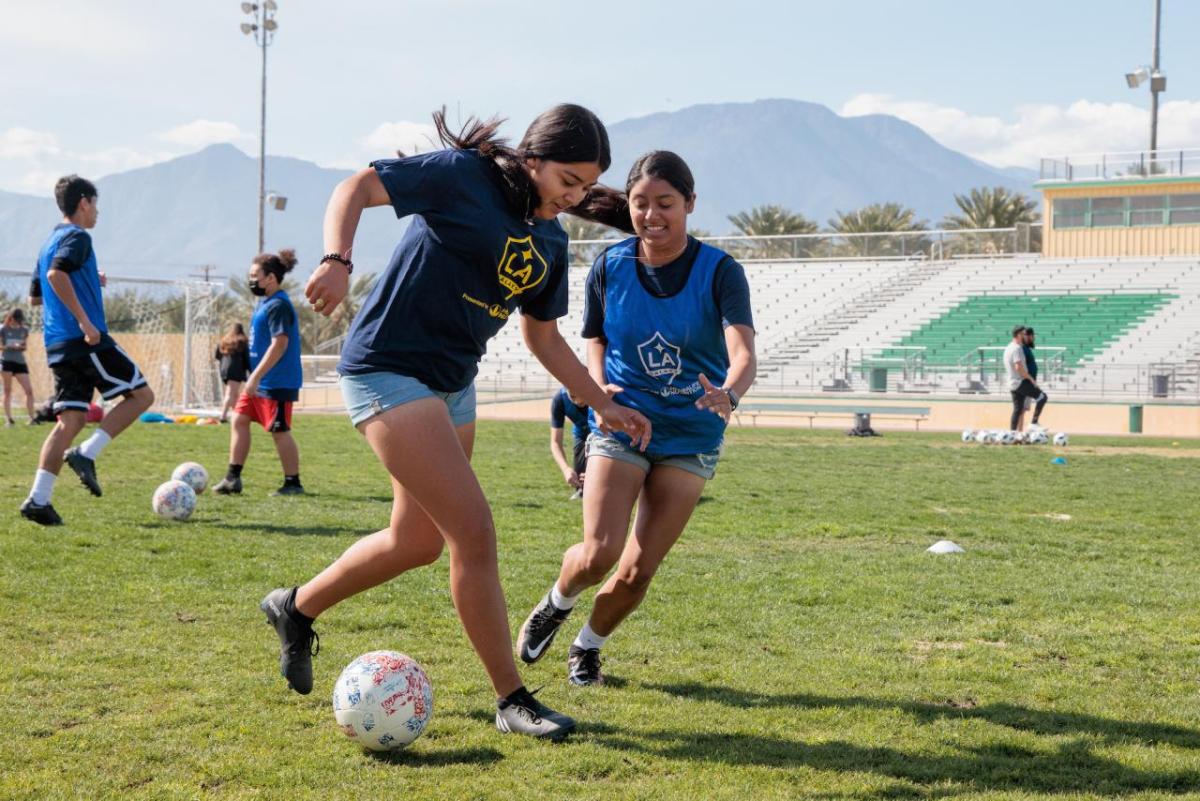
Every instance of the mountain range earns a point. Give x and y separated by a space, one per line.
167 219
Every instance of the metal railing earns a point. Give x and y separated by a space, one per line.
942 243
1129 165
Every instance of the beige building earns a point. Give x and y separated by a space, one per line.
1121 204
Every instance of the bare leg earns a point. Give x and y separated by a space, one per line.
233 389
70 423
239 439
289 453
125 412
613 488
667 502
411 540
7 378
27 387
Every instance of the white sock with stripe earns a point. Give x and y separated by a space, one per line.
43 487
95 444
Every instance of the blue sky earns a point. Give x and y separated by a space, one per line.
101 87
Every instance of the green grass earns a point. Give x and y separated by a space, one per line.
798 642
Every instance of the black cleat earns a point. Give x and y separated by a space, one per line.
583 666
527 715
227 486
85 468
43 515
538 630
288 489
298 643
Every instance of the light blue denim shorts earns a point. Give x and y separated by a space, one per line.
370 394
609 447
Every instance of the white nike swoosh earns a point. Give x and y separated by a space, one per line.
536 652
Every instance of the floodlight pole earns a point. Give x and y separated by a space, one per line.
1154 90
262 142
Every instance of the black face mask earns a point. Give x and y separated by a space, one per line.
255 289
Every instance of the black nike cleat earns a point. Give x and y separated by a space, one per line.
42 515
85 468
538 630
298 643
583 666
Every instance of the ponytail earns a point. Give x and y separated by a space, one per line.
279 264
606 206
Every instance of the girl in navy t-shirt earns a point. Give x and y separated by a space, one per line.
670 334
483 242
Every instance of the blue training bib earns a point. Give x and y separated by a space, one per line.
657 348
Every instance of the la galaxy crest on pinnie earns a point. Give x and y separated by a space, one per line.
521 267
660 359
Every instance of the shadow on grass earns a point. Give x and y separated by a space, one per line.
1069 767
275 528
437 759
1038 721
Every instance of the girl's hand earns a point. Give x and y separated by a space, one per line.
327 287
615 417
715 399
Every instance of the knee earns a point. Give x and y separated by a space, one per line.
597 560
474 544
143 397
422 553
635 578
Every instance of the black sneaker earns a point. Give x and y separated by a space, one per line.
289 489
527 715
298 643
85 468
44 515
227 486
538 630
583 666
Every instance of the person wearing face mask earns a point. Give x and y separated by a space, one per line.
483 243
81 354
670 334
275 376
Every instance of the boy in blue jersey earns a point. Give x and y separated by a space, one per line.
82 356
275 376
562 408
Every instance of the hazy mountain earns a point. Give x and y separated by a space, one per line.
169 218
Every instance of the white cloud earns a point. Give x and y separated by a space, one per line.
409 137
23 143
31 161
1038 130
201 133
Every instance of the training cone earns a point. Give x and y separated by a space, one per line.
1058 460
944 546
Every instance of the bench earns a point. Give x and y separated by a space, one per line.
754 410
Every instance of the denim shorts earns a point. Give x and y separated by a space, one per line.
700 464
370 394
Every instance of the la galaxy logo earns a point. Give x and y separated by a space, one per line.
521 266
660 359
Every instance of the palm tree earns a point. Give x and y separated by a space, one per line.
772 220
991 207
879 218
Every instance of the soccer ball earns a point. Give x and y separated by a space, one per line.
1060 439
383 700
982 437
968 436
174 500
192 474
1007 438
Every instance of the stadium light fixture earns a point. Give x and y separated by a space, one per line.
248 28
270 5
277 201
1157 78
249 8
1137 77
263 25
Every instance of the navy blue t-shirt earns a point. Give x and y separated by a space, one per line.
562 408
731 290
467 261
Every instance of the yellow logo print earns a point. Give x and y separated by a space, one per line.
521 266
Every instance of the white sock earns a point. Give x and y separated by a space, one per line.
43 487
561 601
95 444
589 639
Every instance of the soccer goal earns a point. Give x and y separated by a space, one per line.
170 328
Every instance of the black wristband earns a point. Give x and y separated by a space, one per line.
340 259
733 399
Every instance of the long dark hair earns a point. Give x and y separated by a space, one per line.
235 339
565 133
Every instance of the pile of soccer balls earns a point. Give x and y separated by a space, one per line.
994 437
176 499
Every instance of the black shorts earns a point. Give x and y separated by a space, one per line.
110 372
1026 390
16 368
580 455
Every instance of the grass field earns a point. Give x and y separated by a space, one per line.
798 643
